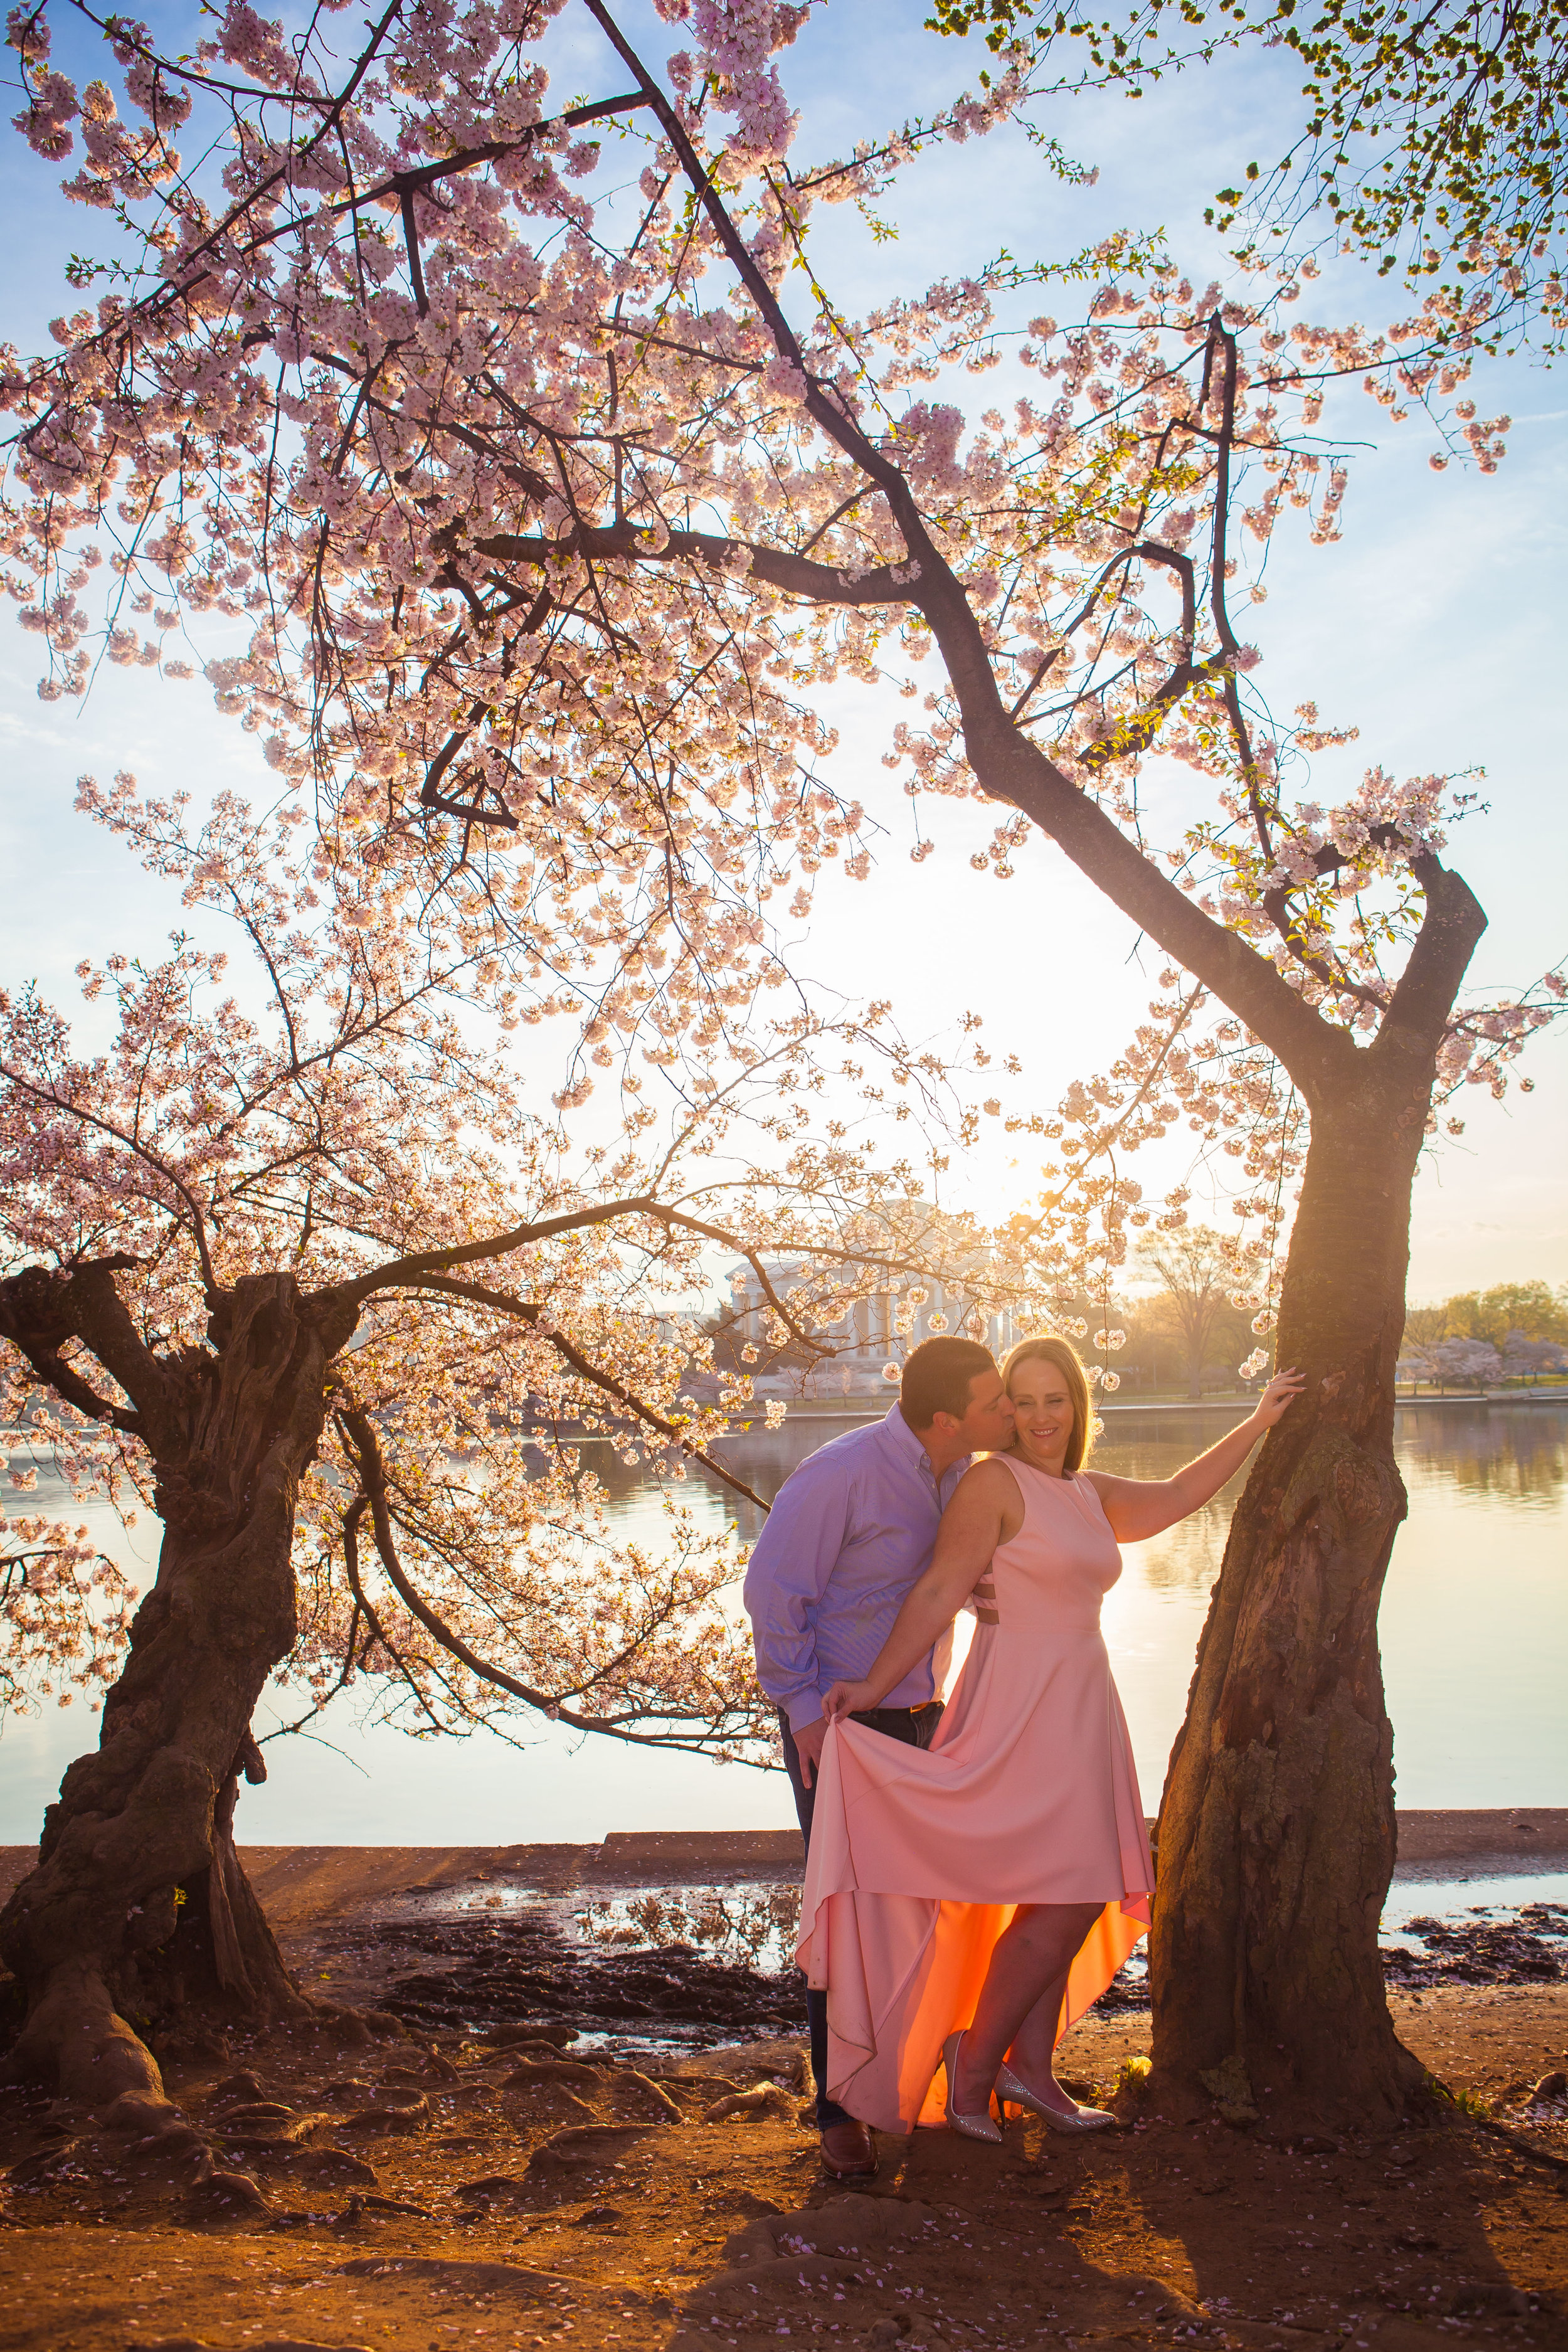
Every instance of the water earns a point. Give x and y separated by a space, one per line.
1474 1624
756 1923
1478 1898
1474 1638
1433 1930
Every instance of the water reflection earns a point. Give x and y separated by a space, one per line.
1474 1629
1520 1451
755 1925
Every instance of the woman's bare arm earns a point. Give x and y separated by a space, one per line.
973 1524
1138 1507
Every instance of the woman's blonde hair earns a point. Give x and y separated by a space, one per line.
1049 1350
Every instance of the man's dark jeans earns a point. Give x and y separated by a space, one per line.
915 1726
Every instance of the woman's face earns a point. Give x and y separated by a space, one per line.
1043 1412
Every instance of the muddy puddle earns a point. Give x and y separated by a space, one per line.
690 1965
668 1968
1485 1943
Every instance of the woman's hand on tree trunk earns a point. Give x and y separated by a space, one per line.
1278 1396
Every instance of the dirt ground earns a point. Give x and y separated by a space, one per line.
428 2193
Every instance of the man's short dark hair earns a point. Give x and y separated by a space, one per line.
937 1377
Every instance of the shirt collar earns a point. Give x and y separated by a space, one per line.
897 1428
903 1437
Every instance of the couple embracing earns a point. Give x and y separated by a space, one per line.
977 1871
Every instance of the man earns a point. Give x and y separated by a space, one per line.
852 1529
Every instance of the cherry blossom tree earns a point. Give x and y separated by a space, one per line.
1524 1359
296 1268
551 498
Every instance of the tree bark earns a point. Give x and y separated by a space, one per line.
1277 1828
138 1904
224 1957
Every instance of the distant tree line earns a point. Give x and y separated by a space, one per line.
1533 1309
1515 1331
1192 1333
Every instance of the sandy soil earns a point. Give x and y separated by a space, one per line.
438 2189
421 2195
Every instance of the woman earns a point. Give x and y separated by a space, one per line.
963 1906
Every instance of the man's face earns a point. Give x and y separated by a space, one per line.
987 1423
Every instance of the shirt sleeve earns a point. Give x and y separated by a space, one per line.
791 1562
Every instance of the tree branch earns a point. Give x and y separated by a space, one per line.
361 1444
1418 1011
1010 768
352 1518
40 1311
820 583
833 420
403 1271
400 1271
527 1311
411 240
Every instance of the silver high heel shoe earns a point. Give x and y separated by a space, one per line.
971 2127
1010 2091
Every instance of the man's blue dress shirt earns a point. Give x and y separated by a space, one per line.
853 1528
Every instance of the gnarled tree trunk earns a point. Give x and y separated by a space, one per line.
138 1903
1277 1828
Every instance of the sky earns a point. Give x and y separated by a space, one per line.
1433 625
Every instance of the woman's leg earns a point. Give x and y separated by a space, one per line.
1033 2049
1021 2000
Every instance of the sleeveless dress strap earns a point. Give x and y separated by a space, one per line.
983 1598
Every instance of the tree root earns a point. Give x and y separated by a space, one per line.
75 2035
113 2134
1525 2148
75 2038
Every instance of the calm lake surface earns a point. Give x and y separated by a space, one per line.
1475 1642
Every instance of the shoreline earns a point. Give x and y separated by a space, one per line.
747 1419
297 1884
871 1409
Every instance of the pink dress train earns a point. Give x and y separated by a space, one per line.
1028 1794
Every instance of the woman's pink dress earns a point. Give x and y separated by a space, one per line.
1028 1794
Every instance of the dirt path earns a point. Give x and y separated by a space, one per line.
420 2195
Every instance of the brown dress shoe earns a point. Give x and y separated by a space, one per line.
849 2151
